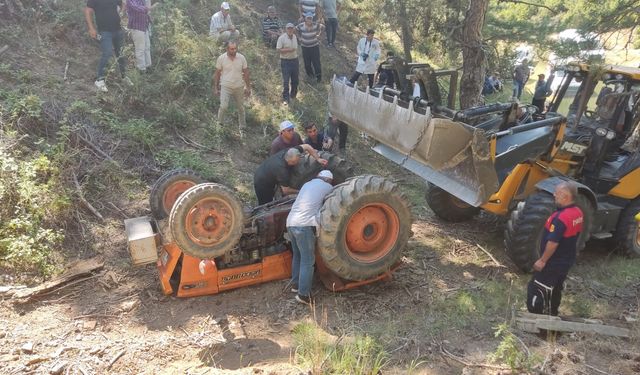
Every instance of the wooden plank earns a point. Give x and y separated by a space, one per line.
74 270
555 325
529 322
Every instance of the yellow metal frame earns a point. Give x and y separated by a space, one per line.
522 180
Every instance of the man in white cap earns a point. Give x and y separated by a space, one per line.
301 225
275 172
287 46
221 27
287 138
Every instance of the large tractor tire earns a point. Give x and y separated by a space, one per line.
525 227
168 188
207 221
308 168
365 224
627 235
448 207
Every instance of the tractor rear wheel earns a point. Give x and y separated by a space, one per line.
168 188
365 224
627 235
525 227
308 168
448 207
207 221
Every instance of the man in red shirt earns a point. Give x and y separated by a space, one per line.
558 248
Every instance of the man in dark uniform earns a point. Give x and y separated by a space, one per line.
558 248
276 170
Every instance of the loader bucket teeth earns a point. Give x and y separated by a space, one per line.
452 155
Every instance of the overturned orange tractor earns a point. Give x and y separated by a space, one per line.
216 244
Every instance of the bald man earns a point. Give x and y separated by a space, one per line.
558 248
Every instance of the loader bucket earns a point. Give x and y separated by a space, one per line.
451 155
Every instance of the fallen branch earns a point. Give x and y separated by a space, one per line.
74 271
4 48
84 201
119 210
595 369
490 256
471 364
68 285
115 358
94 147
66 69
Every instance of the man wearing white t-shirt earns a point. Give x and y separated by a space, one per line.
231 80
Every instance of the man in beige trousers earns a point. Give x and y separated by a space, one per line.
231 80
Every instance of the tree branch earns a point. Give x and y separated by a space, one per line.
530 4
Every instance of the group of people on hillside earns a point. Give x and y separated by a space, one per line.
103 21
231 80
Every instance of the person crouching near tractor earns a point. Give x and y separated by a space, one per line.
301 225
558 247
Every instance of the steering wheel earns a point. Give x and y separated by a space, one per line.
527 113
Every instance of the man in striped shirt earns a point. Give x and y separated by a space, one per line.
309 7
271 27
139 20
309 33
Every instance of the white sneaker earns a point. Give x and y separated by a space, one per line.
102 87
127 81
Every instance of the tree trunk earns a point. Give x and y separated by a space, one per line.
473 56
405 28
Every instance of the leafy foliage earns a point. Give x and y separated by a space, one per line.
510 353
361 356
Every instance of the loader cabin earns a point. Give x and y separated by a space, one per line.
602 108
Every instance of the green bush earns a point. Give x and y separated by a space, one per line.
31 203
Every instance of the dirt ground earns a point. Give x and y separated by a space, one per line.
117 321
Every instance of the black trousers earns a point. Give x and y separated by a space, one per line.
264 193
332 29
544 291
539 103
357 74
311 57
290 70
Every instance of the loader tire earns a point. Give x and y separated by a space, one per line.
627 235
448 207
168 188
523 234
308 168
365 224
207 221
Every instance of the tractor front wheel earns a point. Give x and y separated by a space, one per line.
627 235
207 221
168 188
448 207
365 224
